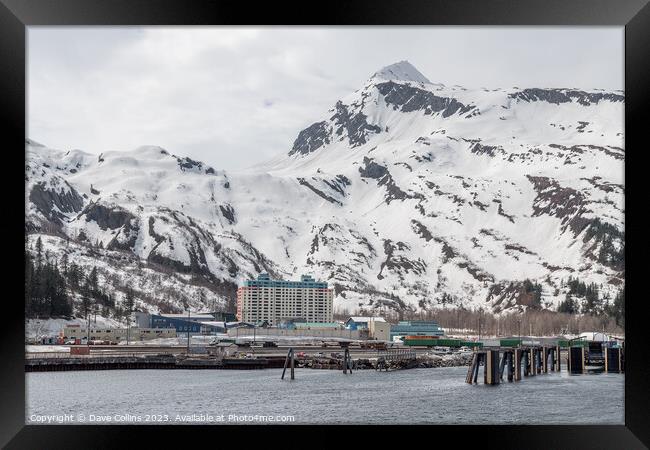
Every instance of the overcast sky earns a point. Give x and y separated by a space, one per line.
235 96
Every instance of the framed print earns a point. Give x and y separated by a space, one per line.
412 215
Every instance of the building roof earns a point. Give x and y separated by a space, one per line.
264 280
366 319
190 317
213 323
597 336
317 324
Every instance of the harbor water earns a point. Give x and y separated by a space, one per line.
416 396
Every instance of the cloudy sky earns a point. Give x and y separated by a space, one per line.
235 96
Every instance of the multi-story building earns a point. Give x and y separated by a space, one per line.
276 300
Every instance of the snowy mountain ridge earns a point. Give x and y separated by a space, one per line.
405 194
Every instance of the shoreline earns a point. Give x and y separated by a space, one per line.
174 362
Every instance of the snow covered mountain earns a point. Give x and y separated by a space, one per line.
405 194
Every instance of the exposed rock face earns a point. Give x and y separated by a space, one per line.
355 125
371 169
407 99
311 138
228 212
127 236
399 263
557 96
561 202
107 217
53 203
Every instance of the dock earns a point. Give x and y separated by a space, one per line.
533 360
162 361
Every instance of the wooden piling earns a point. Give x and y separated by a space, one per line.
551 352
621 357
509 365
533 361
612 360
347 361
293 358
517 366
472 368
491 367
502 365
558 360
286 362
545 359
526 365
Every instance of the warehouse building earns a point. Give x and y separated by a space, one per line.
182 323
415 328
361 322
273 301
117 334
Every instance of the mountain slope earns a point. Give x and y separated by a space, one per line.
405 194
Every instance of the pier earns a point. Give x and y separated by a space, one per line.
533 360
143 361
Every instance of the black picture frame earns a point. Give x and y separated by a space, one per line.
16 15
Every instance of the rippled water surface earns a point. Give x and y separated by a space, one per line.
425 396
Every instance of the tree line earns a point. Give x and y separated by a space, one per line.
51 286
461 321
583 309
593 303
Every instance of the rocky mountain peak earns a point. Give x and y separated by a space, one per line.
401 71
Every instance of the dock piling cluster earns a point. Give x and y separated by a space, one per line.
536 359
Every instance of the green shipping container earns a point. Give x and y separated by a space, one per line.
433 342
577 343
510 342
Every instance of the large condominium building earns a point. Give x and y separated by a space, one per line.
275 300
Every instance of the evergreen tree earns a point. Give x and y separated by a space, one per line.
39 251
93 283
569 305
129 303
29 276
619 308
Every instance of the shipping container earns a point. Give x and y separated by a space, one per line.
79 350
510 342
575 343
431 341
